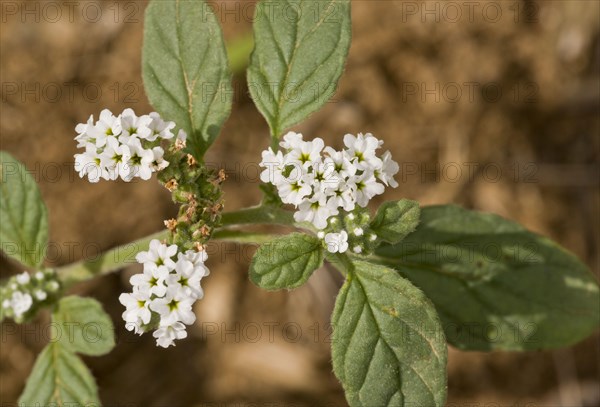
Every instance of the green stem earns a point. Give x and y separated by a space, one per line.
106 262
258 215
121 256
340 261
238 236
275 143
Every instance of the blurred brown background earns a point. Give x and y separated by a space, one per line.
493 105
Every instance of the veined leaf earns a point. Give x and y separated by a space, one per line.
495 284
185 69
396 219
84 327
286 262
388 345
300 50
23 214
59 377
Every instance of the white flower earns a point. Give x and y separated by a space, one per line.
341 162
6 303
132 125
295 187
20 303
306 153
291 140
113 146
137 310
365 187
273 166
23 278
357 249
187 277
152 280
342 197
140 161
116 157
362 150
175 306
167 334
358 231
83 129
90 163
40 295
337 242
324 176
106 126
197 258
182 135
388 169
316 211
319 180
159 128
159 163
39 275
159 254
166 290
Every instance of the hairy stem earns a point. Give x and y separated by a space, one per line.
258 215
122 256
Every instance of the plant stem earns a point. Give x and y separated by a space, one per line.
121 256
341 262
258 215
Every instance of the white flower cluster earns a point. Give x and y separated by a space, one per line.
335 242
124 146
24 292
320 181
165 292
339 242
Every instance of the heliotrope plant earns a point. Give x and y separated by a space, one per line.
416 278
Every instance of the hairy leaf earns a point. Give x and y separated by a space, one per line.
495 284
23 214
59 377
286 262
185 69
83 326
396 219
300 50
388 345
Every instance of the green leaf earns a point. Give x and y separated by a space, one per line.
286 262
23 214
185 69
59 377
83 326
388 346
238 52
300 50
396 219
495 284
